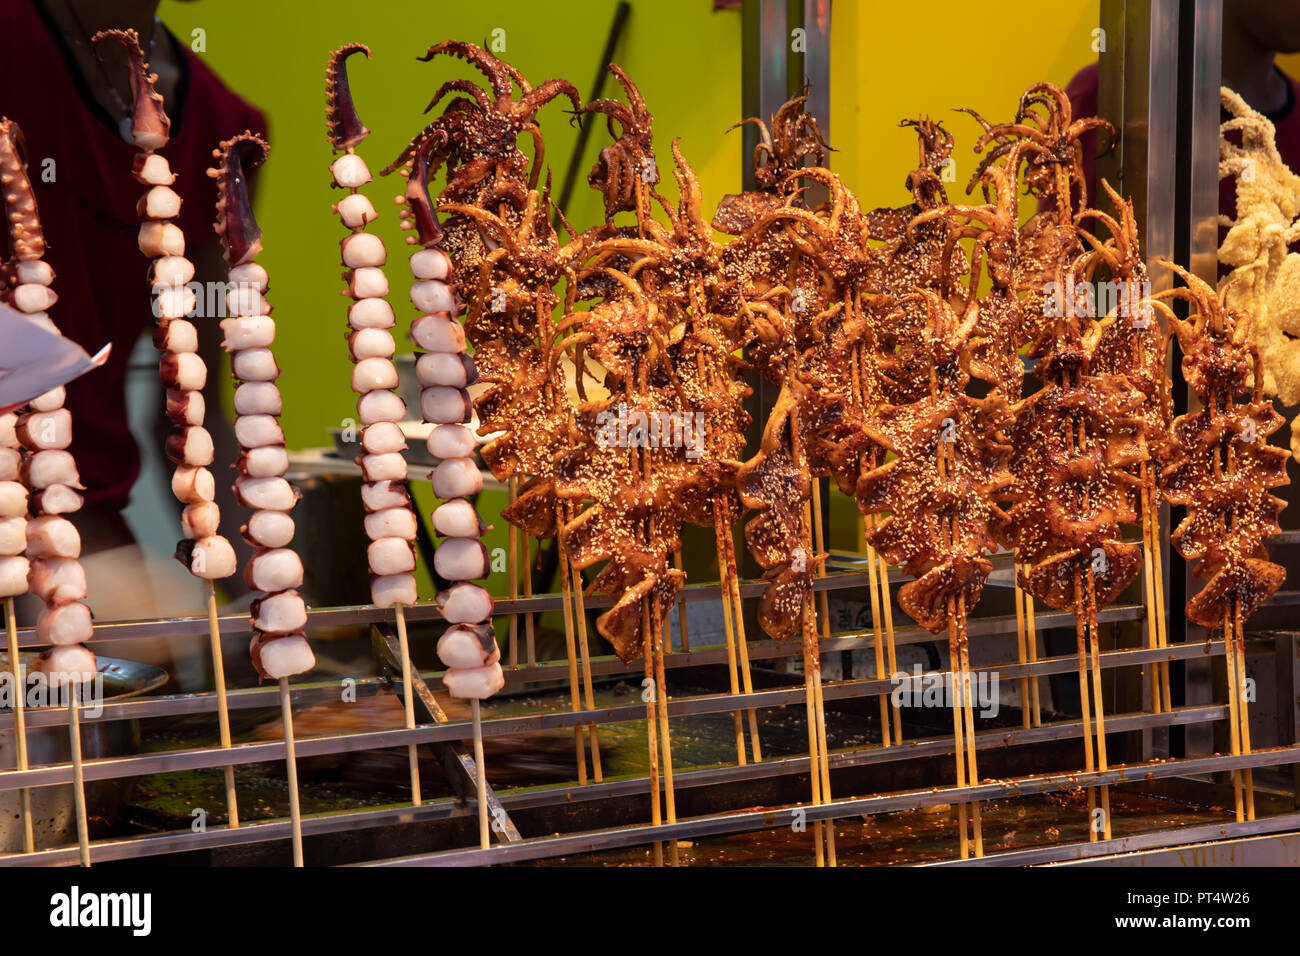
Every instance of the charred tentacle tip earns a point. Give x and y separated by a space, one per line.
236 157
150 126
343 125
420 214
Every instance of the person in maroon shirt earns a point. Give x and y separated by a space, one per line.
1254 33
72 103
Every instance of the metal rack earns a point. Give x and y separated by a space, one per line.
714 824
1141 87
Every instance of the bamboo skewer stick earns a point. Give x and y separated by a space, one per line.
1021 651
291 767
729 615
593 730
819 543
651 693
566 603
968 707
810 693
1027 694
512 571
1162 621
886 735
1153 627
954 656
742 643
812 674
480 776
1085 705
887 605
825 768
530 635
681 607
223 712
408 702
1031 638
78 774
20 723
1243 705
1234 712
1094 641
869 521
665 742
822 768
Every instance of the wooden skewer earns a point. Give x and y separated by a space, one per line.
681 607
223 713
822 768
968 706
651 693
1148 565
814 771
592 729
1243 705
742 643
408 702
512 571
869 521
825 767
78 774
1162 620
817 760
887 605
566 603
291 767
954 659
1094 642
1234 712
1085 705
1021 651
665 742
480 776
729 615
819 543
1031 638
20 722
886 735
530 631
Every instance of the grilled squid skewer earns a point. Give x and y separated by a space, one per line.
43 432
390 522
275 569
279 648
180 367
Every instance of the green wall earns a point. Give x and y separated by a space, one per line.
685 59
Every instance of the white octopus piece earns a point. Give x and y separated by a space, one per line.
13 575
392 589
57 580
281 656
67 664
268 529
279 569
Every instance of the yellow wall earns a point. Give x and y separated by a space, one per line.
685 59
891 61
